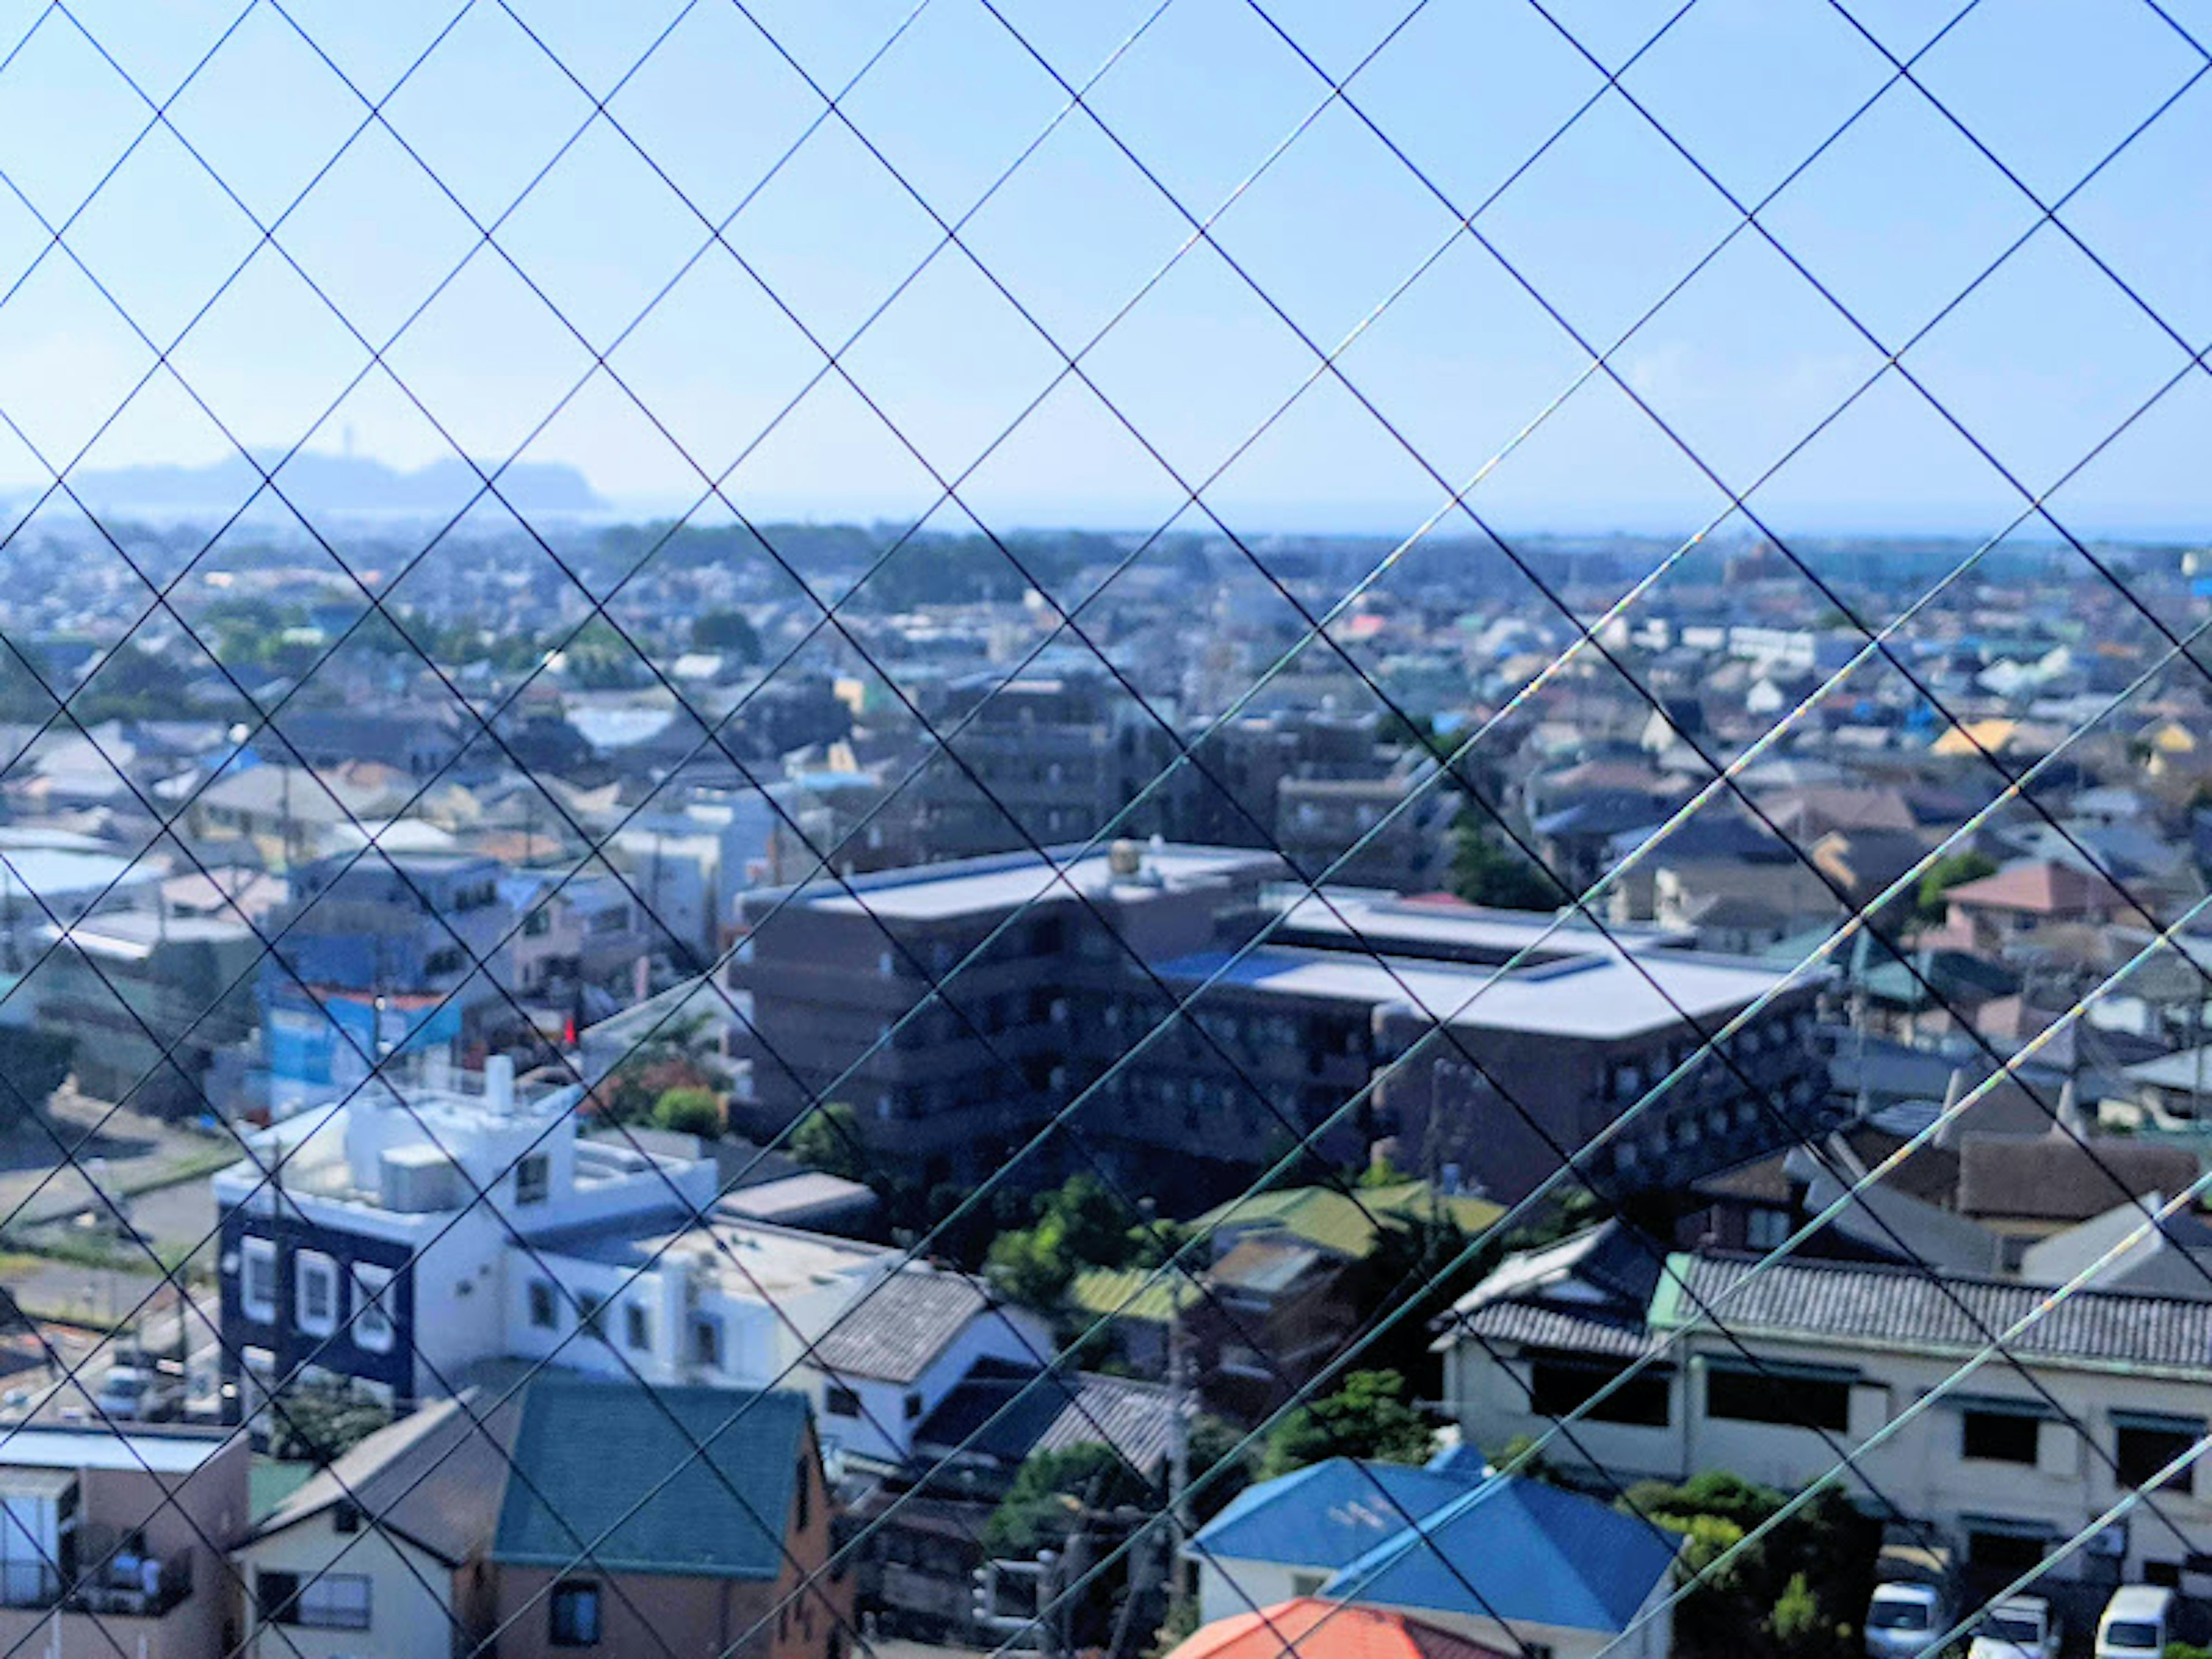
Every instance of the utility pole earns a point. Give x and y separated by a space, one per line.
1180 1407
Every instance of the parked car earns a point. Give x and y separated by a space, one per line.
136 1394
1903 1618
2138 1620
2018 1627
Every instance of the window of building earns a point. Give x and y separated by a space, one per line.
315 1293
637 1326
707 1341
1798 1399
2145 1445
1557 1387
1307 1584
257 1279
533 1179
591 1314
1993 1435
372 1308
328 1601
1765 1229
573 1614
541 1312
805 1496
840 1402
913 1404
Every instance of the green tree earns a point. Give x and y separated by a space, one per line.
1796 1622
827 1138
1049 1493
726 630
1486 870
1931 898
1368 1417
1082 1224
690 1110
1773 1596
318 1423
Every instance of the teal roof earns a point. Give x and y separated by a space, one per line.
588 1453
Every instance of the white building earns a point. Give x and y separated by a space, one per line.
2091 1396
411 1234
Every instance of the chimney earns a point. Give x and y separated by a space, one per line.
499 1083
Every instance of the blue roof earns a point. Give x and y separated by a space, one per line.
1517 1549
1328 1515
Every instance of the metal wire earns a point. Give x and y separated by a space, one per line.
1573 1162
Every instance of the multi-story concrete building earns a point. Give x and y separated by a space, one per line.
407 1236
379 952
1495 1038
1044 758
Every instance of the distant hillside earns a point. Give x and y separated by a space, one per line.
334 483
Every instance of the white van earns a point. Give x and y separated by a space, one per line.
2137 1623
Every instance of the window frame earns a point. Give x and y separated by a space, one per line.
310 1268
533 1179
1993 1419
567 1597
375 1324
2178 1434
1778 1399
262 1252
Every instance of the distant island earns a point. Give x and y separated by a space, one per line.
333 483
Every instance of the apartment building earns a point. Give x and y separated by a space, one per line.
116 1542
1548 1031
370 1238
414 1234
829 970
2093 1401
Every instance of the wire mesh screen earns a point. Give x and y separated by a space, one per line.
1209 829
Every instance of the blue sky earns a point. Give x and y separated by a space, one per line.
2039 365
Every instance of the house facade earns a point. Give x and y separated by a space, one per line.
2089 1403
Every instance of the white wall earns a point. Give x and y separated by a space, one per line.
1228 1585
1920 1468
407 1615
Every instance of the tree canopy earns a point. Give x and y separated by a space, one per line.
1368 1417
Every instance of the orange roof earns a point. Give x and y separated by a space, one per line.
1311 1628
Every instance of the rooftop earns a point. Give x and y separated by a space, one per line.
1885 1308
987 885
1311 1628
163 1451
1596 995
746 1259
689 1481
1516 1549
893 1332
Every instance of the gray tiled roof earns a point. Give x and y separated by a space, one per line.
1528 1324
893 1332
1890 1307
434 1477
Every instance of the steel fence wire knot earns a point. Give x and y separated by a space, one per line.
1206 830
